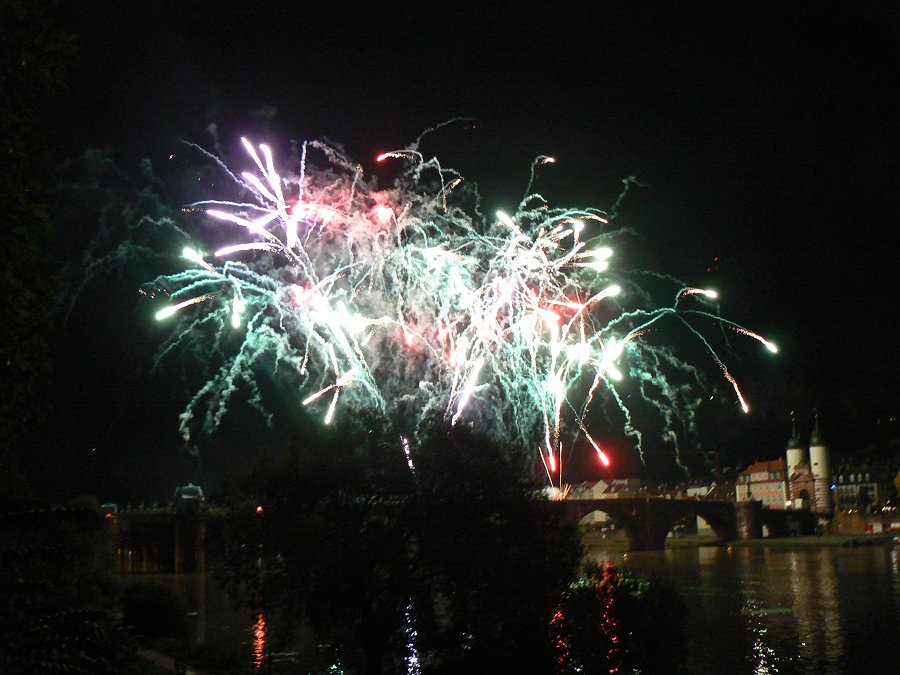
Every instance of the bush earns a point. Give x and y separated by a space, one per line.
153 609
57 591
612 621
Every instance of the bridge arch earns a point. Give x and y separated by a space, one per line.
720 517
648 521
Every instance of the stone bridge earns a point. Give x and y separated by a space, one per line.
647 521
160 540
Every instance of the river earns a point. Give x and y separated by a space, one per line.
811 610
770 609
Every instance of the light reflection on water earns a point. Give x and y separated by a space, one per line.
755 609
260 632
750 609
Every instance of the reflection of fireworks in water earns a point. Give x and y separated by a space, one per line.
413 667
408 299
259 640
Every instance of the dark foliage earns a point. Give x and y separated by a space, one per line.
613 622
493 552
341 533
33 56
58 592
154 609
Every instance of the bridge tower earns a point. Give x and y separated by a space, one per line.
800 484
796 453
820 462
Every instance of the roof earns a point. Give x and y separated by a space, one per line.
767 466
585 485
721 491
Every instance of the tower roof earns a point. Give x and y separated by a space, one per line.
794 441
816 438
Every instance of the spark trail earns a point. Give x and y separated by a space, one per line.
408 299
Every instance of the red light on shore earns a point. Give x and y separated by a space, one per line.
259 509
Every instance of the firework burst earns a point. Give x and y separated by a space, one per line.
408 299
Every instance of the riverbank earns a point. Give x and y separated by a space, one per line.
851 540
848 540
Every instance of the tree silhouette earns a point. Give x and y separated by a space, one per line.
462 549
33 56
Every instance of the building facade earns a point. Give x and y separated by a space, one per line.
764 482
862 487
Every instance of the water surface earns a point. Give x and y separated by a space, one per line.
762 609
750 608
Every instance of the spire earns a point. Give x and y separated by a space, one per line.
816 438
794 442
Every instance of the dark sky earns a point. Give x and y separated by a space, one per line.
765 137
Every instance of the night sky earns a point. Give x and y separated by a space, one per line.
765 138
